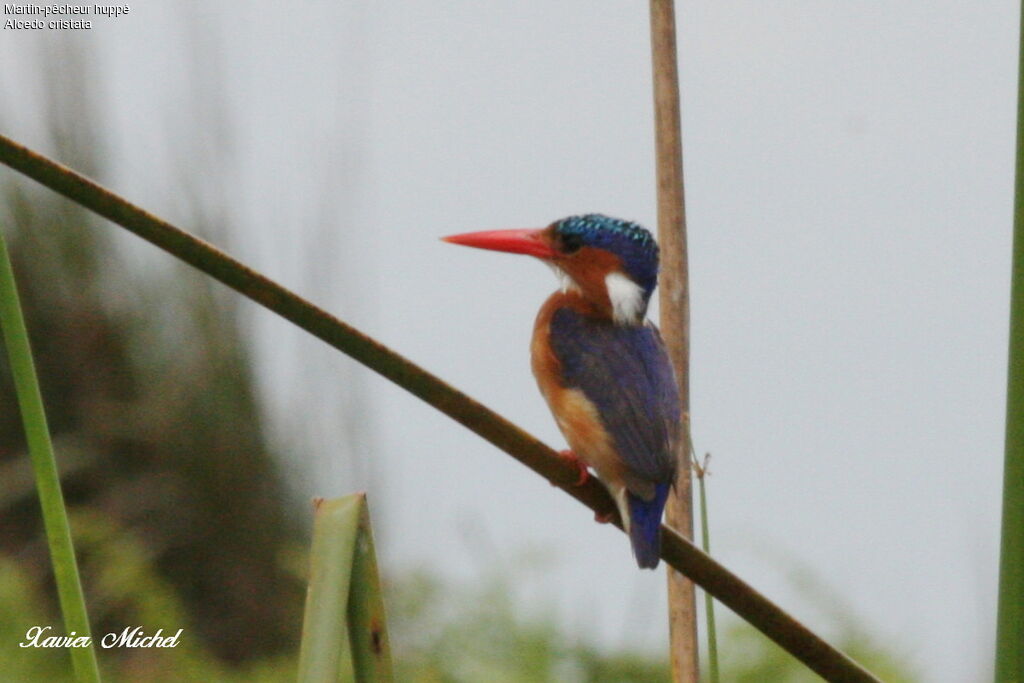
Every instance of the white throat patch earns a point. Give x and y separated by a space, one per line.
565 282
626 297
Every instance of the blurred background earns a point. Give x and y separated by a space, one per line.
848 176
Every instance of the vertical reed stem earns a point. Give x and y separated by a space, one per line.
705 536
675 316
55 519
1010 623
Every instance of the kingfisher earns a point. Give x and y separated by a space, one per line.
601 365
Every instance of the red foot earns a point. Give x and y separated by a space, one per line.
605 518
575 461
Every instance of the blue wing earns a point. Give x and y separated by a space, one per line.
625 372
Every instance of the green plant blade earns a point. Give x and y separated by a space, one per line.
344 636
1010 623
709 602
44 465
368 635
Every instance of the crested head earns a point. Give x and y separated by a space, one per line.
609 260
630 242
611 264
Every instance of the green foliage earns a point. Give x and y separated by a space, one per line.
127 583
442 632
20 606
447 633
477 633
749 657
153 410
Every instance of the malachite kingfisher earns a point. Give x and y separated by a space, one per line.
601 365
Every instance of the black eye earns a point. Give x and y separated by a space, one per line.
571 243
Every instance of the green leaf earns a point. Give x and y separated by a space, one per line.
344 636
44 465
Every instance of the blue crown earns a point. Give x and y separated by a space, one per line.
631 242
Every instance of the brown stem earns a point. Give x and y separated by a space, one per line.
675 319
676 551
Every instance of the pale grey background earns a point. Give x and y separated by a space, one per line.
848 176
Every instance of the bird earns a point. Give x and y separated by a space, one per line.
601 365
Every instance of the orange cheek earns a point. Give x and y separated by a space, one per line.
588 268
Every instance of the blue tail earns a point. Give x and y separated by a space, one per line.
645 526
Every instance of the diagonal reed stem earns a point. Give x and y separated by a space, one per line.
1010 621
678 552
37 433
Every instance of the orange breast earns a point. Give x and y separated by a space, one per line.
576 415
